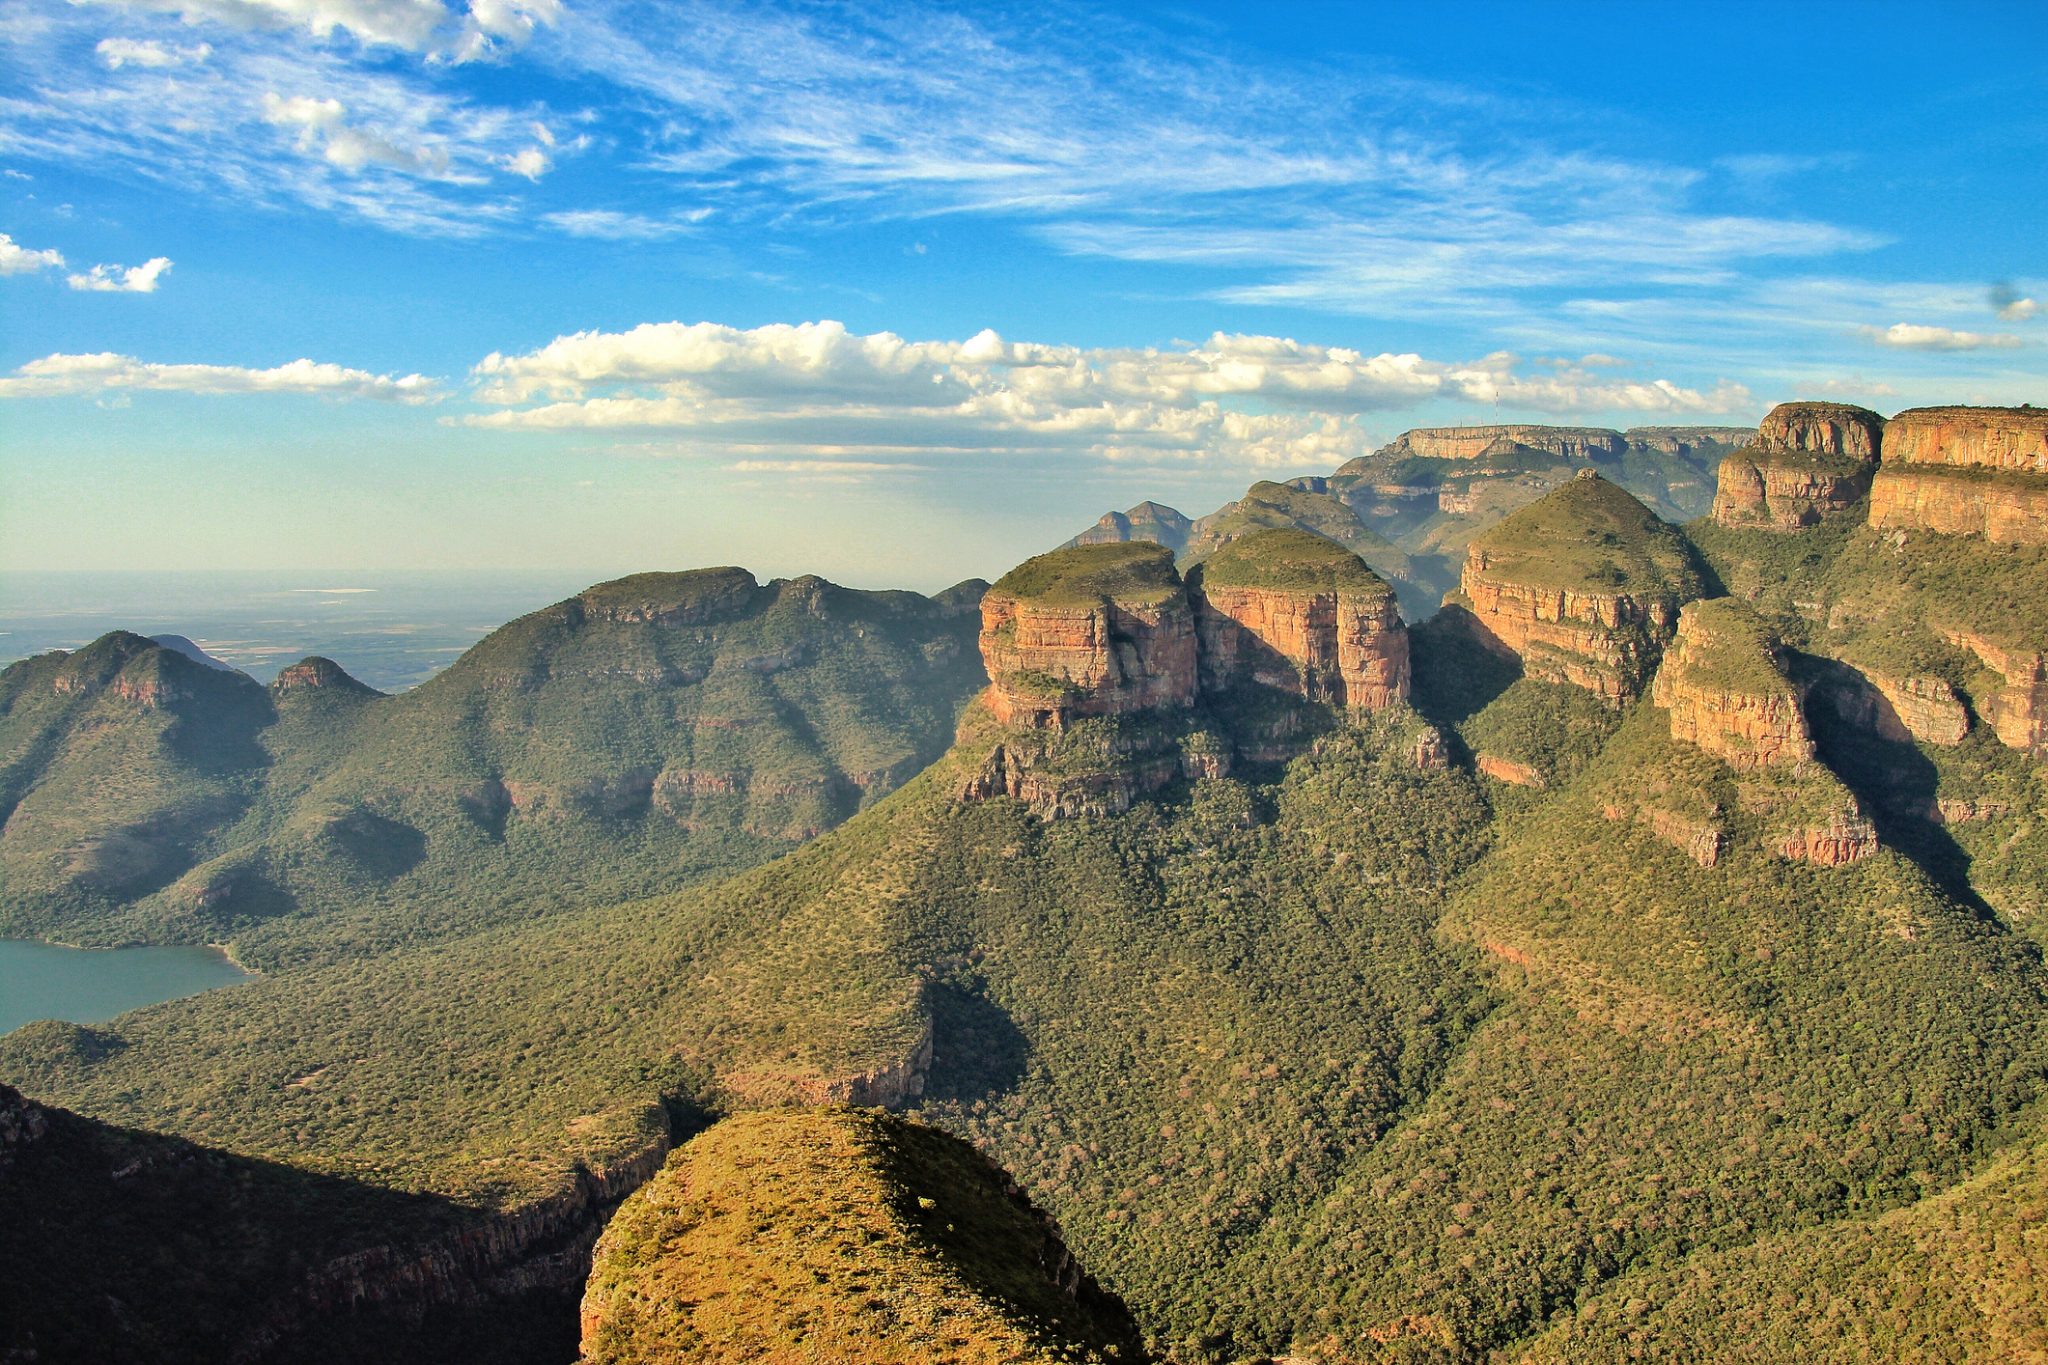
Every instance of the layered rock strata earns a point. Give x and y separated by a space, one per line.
1583 586
2018 712
1469 443
1291 610
1097 630
1965 471
1808 460
1721 684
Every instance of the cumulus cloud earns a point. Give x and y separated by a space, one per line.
421 26
16 259
530 162
1917 337
1237 400
116 53
60 375
115 279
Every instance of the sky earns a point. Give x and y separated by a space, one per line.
903 294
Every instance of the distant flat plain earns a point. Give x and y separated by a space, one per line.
392 630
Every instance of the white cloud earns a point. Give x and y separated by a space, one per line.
1916 337
60 375
1234 400
530 162
322 126
114 279
420 26
613 225
119 52
2019 310
16 259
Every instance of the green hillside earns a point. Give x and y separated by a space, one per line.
1590 535
647 733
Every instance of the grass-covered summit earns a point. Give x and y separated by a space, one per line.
1590 535
841 1234
1132 573
1288 559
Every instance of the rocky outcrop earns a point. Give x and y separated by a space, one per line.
1966 471
890 1086
1846 836
1721 684
1469 443
2010 510
1921 707
1699 838
1115 769
667 599
1686 440
1808 460
1514 772
1287 609
1096 630
2018 712
1582 586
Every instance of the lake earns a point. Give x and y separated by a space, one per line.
91 985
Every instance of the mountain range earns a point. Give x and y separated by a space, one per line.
1635 955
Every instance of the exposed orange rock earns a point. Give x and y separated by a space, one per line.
2002 511
1560 635
1511 771
2014 440
2018 712
1966 471
1808 460
1344 648
1725 693
1822 429
1699 840
314 672
1846 837
1050 664
1923 707
1469 443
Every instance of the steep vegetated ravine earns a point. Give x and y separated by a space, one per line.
1641 951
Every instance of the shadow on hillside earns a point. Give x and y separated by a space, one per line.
1895 782
1454 673
977 1049
129 1245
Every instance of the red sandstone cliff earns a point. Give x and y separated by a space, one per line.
1966 471
1808 460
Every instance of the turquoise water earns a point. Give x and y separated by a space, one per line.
91 985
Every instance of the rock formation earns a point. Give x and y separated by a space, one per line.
315 673
1287 609
2018 712
1725 694
1583 586
1965 471
1469 443
1096 630
1808 460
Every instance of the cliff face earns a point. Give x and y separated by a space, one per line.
1052 663
1469 443
1725 694
1606 643
1808 460
2018 712
315 672
1966 471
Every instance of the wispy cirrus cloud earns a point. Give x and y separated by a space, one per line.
1914 336
116 53
1233 401
421 26
61 375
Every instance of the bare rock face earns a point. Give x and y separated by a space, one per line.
1966 471
1469 443
2018 712
1846 837
1289 609
1583 586
1094 630
1923 707
1808 460
1511 771
1721 684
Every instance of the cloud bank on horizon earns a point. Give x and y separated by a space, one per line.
1371 230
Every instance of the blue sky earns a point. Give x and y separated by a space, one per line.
903 294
